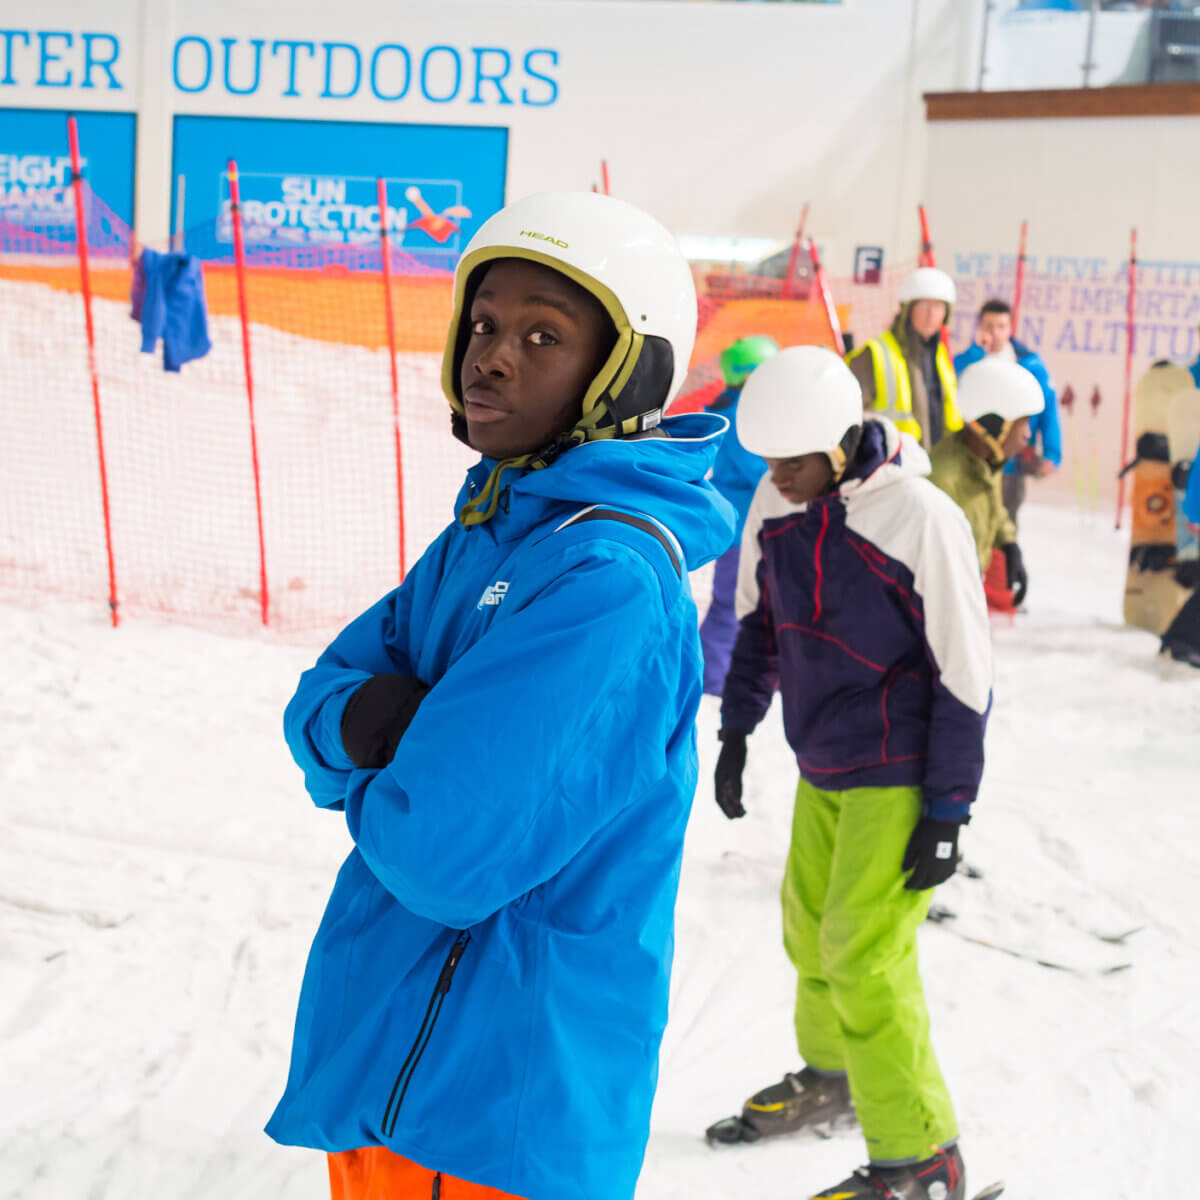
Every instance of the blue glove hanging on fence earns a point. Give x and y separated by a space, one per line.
168 299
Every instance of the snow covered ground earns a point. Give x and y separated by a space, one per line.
161 874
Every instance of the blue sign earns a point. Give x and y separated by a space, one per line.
35 167
310 184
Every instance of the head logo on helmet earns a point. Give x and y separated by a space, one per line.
545 237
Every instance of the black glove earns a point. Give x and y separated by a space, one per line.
1015 576
731 762
1187 573
932 853
377 715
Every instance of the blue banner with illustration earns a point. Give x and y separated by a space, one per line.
37 205
311 186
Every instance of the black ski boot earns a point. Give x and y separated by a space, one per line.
805 1101
942 1177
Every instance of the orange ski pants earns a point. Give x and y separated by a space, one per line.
375 1173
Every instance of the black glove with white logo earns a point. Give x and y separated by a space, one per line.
377 715
932 853
1015 576
731 762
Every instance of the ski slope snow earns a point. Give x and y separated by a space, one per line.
162 872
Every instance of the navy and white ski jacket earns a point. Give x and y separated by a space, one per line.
865 609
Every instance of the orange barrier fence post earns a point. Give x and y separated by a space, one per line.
389 310
239 253
789 280
81 246
1019 284
1129 340
926 257
607 189
835 326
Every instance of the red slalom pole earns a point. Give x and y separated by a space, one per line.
239 254
1019 284
835 326
1129 341
607 189
789 280
926 257
381 189
81 246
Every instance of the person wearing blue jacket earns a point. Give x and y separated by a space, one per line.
994 336
1182 638
510 735
735 475
861 604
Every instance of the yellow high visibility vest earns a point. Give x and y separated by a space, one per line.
893 388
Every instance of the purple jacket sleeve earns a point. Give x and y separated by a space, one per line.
754 668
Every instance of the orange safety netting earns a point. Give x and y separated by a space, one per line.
342 498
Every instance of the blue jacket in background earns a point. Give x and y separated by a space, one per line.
736 472
1044 426
169 301
1191 498
529 829
865 610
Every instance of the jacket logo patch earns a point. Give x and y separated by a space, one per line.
493 594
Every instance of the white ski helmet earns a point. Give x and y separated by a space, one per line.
624 258
994 385
928 283
805 400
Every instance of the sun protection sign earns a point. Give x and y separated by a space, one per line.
35 168
310 184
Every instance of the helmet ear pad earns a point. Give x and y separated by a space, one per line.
638 392
993 424
843 456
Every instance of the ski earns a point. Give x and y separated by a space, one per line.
990 1192
943 918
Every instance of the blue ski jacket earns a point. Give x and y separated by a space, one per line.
1044 427
488 987
1191 498
171 305
866 611
736 472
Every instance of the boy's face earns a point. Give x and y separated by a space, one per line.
537 341
800 479
1015 439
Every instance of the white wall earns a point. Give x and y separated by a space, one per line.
720 118
1082 184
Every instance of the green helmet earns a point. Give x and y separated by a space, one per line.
738 360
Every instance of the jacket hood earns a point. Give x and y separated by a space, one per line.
661 477
885 456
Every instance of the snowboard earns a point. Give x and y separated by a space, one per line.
1152 595
1183 438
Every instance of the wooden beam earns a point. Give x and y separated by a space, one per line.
1136 100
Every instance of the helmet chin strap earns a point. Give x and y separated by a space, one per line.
588 428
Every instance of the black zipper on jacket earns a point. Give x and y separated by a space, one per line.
432 1012
437 1186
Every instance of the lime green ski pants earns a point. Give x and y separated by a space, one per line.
850 929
